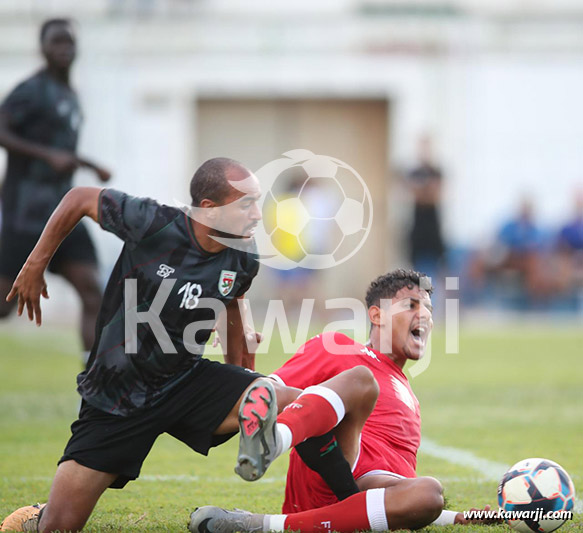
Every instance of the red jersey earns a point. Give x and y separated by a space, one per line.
391 435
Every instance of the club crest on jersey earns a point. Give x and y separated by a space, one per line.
226 281
164 271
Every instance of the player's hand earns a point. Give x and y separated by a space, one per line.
253 339
62 161
101 173
29 285
459 519
216 339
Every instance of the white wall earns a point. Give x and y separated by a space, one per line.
501 97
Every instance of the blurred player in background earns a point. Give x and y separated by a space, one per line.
39 126
383 458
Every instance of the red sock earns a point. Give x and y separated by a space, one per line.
312 414
346 516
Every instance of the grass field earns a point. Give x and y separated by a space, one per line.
510 394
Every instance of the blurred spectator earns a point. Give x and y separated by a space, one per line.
570 249
427 248
518 255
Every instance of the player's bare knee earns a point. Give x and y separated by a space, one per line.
414 503
431 494
365 383
361 375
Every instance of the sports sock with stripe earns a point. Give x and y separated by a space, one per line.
361 512
314 412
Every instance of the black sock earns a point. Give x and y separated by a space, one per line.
323 455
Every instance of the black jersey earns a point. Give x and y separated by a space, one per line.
160 253
44 111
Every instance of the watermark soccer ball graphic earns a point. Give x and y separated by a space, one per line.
317 211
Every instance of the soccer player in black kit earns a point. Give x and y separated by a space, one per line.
39 126
151 380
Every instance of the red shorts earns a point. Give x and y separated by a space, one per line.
305 489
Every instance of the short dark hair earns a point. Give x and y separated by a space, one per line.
52 22
210 180
388 285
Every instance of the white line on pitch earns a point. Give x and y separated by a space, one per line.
491 470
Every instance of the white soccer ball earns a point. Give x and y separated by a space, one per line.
534 489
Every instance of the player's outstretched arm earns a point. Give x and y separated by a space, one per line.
59 160
30 283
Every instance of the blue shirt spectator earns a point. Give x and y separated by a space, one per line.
522 234
571 235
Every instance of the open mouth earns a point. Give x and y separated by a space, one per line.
419 334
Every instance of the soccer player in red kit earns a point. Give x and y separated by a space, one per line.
383 456
386 451
391 435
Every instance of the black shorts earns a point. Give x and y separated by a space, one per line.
16 246
196 408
